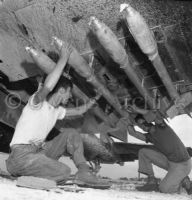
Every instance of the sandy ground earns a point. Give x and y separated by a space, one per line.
120 190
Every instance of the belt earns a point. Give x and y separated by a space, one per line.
37 146
14 146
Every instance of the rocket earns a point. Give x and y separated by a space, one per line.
42 60
146 41
113 47
140 31
80 65
109 41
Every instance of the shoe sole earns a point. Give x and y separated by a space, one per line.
89 185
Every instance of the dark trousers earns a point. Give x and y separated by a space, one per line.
31 160
176 172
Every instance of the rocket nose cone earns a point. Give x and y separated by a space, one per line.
123 6
31 51
58 42
94 23
92 19
27 49
128 9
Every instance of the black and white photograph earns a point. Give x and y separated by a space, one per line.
95 99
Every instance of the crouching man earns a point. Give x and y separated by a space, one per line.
169 154
30 155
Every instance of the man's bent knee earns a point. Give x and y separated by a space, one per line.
164 188
65 172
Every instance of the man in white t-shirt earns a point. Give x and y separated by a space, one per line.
30 154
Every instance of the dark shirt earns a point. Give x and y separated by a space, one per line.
168 143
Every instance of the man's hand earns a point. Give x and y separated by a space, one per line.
66 51
98 95
64 48
92 101
132 108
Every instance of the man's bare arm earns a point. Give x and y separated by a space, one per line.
136 109
82 109
136 134
71 112
52 79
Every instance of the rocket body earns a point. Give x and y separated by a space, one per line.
80 65
146 41
141 32
117 52
109 41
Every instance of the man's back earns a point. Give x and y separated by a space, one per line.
167 142
36 122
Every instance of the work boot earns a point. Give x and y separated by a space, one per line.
187 184
86 178
151 185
